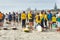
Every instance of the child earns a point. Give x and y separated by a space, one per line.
37 19
53 20
58 23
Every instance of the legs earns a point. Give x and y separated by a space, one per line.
23 23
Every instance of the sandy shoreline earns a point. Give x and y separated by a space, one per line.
34 35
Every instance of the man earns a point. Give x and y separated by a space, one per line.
10 17
23 19
49 19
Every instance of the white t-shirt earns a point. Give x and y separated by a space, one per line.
6 16
58 14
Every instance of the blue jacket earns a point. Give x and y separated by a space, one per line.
49 16
10 17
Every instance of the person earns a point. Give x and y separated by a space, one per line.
42 19
2 16
49 15
30 19
37 19
10 17
23 19
17 17
58 22
33 16
45 19
13 17
56 14
6 17
54 20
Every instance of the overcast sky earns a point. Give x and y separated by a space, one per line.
15 5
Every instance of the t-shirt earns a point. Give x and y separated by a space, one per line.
53 19
23 16
37 19
29 16
6 16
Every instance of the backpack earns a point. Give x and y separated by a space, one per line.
1 16
38 28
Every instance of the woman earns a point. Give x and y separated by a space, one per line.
23 19
45 19
30 18
42 19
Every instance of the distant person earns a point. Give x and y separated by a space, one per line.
6 17
37 19
54 20
33 16
2 16
10 17
42 19
30 18
17 18
49 19
23 19
56 14
58 22
13 16
45 19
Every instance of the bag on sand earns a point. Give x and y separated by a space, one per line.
26 30
39 28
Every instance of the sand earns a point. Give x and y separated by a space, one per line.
34 35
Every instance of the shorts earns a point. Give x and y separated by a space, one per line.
23 23
14 19
10 20
30 20
6 18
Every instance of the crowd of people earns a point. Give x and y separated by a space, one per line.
45 19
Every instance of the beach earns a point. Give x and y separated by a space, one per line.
34 35
20 35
